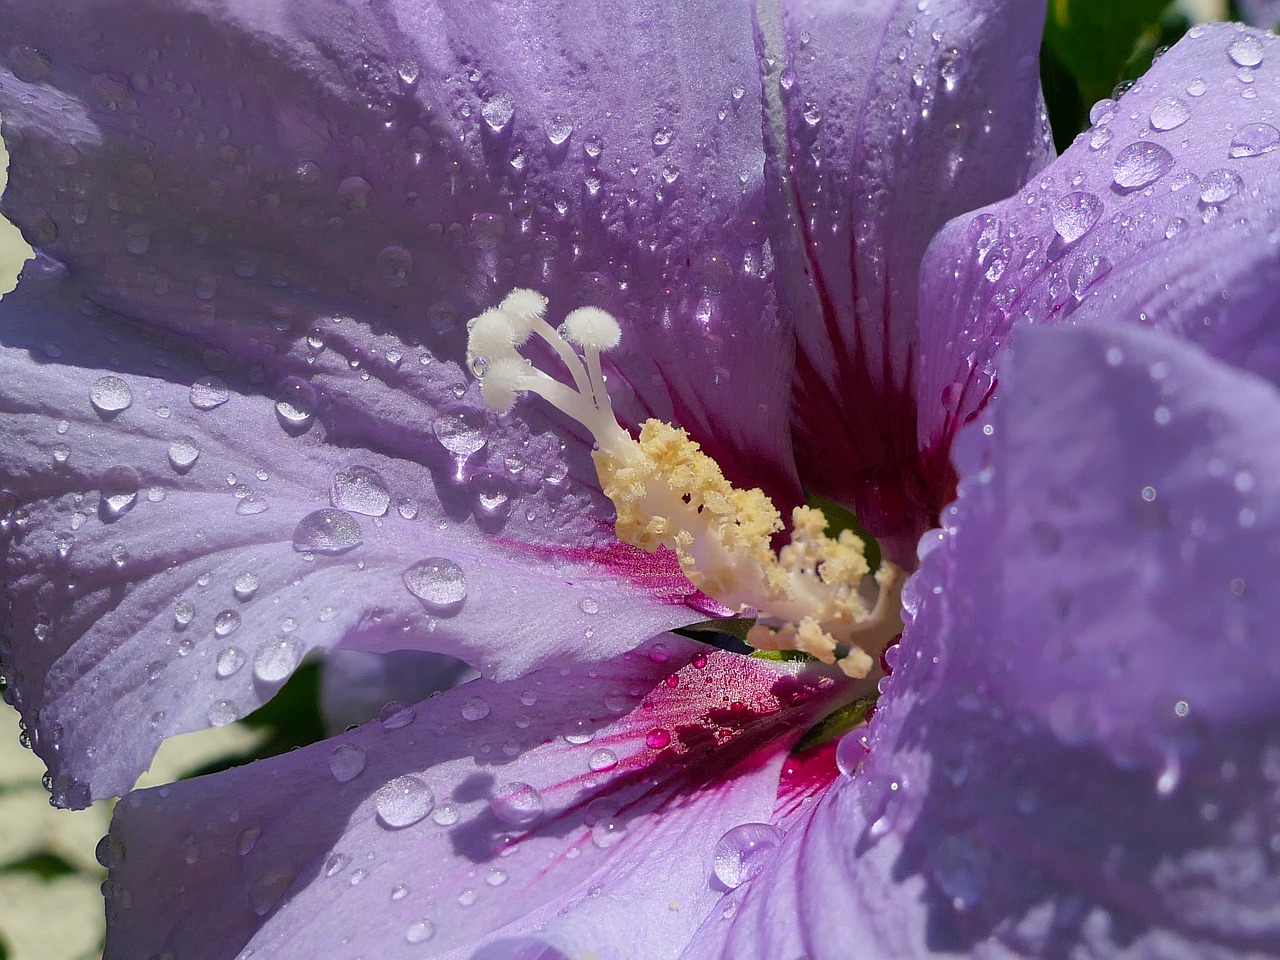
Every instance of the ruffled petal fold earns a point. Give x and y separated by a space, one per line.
888 118
1175 183
575 811
174 542
1077 750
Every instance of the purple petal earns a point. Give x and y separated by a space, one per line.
251 173
895 118
559 805
1261 13
171 549
1186 154
1078 749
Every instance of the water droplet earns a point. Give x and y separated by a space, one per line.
579 731
662 138
1141 163
1197 87
226 622
245 586
354 193
602 760
446 815
493 493
346 762
109 852
183 454
743 852
1102 111
516 804
608 832
850 752
439 583
296 402
1245 51
659 653
1169 113
327 531
395 265
247 840
559 129
209 392
118 492
184 612
589 605
335 864
360 490
403 801
230 661
308 172
396 714
222 713
461 433
1074 214
497 110
276 659
420 931
110 396
657 738
269 889
475 708
1219 186
1254 140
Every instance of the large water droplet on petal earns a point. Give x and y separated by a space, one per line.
497 110
743 852
226 622
209 392
1219 186
516 804
1169 113
439 583
183 453
118 492
346 762
222 713
327 531
403 801
230 661
110 395
1245 51
245 586
1254 140
559 129
296 402
276 659
360 490
420 931
475 708
1074 214
1141 163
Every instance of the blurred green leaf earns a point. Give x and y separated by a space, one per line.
291 718
45 865
1093 46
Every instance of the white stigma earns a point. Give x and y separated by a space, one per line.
592 329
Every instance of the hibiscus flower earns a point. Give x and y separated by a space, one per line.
246 418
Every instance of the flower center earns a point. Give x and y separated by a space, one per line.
816 595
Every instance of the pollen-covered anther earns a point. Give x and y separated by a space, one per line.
811 596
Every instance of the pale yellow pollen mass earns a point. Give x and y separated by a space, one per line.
814 595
